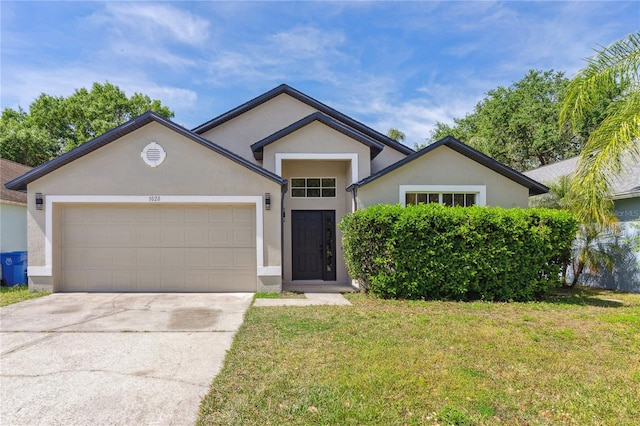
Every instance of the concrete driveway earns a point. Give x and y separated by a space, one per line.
115 358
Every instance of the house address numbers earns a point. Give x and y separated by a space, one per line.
154 198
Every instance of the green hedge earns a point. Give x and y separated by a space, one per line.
456 253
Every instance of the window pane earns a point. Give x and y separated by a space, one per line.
297 193
471 200
434 198
297 183
409 198
328 192
313 193
447 199
458 200
313 183
328 183
422 198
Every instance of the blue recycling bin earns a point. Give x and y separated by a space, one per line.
14 267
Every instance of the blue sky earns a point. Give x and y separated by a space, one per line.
387 64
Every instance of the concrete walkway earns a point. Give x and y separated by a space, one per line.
311 300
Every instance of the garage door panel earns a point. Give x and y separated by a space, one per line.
220 258
75 237
123 215
242 215
172 258
172 215
194 237
147 236
121 236
96 215
157 248
243 258
125 258
196 215
148 215
172 280
148 257
172 236
244 237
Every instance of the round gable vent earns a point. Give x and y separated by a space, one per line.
153 154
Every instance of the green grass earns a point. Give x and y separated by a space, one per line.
18 293
283 295
573 359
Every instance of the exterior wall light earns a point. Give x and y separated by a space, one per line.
267 201
39 201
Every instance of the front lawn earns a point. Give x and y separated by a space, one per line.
18 293
574 359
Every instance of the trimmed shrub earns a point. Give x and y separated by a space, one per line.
457 253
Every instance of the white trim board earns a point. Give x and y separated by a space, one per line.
480 190
280 156
50 200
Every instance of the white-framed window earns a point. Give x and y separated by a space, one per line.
313 187
448 195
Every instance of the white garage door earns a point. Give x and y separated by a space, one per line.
190 248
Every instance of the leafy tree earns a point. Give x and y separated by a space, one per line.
611 78
396 135
55 125
517 125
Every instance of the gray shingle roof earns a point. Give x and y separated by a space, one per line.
625 185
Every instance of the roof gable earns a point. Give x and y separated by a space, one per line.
334 114
374 146
535 188
20 183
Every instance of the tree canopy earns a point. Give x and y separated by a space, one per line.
55 125
610 85
517 125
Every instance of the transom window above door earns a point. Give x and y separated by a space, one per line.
446 199
313 187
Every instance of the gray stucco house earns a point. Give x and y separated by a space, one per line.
626 201
244 202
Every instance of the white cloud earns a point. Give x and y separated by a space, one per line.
300 53
157 22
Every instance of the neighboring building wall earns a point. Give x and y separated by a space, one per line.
627 209
624 248
444 166
117 169
13 227
238 134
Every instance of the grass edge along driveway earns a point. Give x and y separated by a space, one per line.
18 293
574 359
